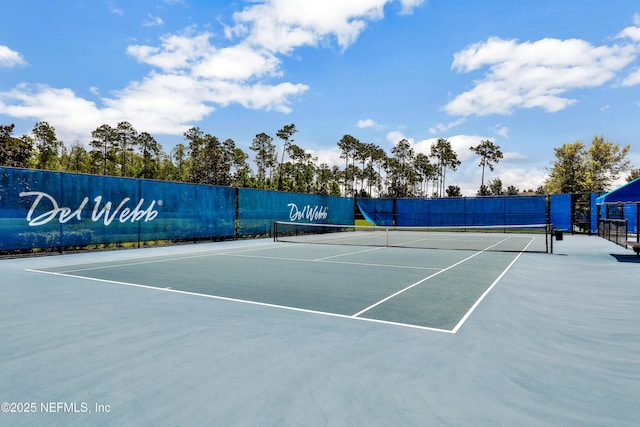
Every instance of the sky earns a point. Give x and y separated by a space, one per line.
528 75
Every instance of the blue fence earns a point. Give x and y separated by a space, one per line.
258 209
42 209
628 211
470 211
560 211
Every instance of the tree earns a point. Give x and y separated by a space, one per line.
265 155
605 163
47 145
490 154
150 151
14 152
484 191
495 186
446 159
512 190
568 174
348 146
126 142
179 155
580 170
426 171
242 173
210 159
286 134
195 136
633 174
454 191
77 159
402 169
104 143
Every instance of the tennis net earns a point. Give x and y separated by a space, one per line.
502 238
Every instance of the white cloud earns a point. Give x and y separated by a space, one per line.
153 21
10 58
442 127
503 131
193 73
533 74
632 79
283 25
176 52
329 156
238 62
368 123
55 105
116 11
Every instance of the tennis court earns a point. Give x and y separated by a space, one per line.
257 332
422 288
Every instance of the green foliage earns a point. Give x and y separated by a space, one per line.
454 191
633 174
368 171
14 152
490 154
581 170
446 158
47 145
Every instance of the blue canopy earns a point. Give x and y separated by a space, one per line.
628 193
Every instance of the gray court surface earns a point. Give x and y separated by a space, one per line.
553 340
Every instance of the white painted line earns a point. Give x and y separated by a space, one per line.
156 259
321 260
262 304
349 253
401 291
495 282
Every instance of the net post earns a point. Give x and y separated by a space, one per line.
275 231
550 230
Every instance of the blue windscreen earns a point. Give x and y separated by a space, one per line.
560 208
258 209
631 215
40 209
593 208
476 211
377 211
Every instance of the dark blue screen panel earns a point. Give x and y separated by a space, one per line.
444 212
519 210
41 209
25 224
631 215
473 211
258 209
412 212
215 211
593 213
485 211
377 211
560 211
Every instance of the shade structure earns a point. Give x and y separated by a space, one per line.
628 193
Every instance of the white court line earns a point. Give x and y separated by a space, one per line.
160 258
349 253
241 253
322 260
262 304
479 300
401 291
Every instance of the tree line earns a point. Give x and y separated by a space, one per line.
368 170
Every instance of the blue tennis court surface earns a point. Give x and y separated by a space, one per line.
409 287
262 333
